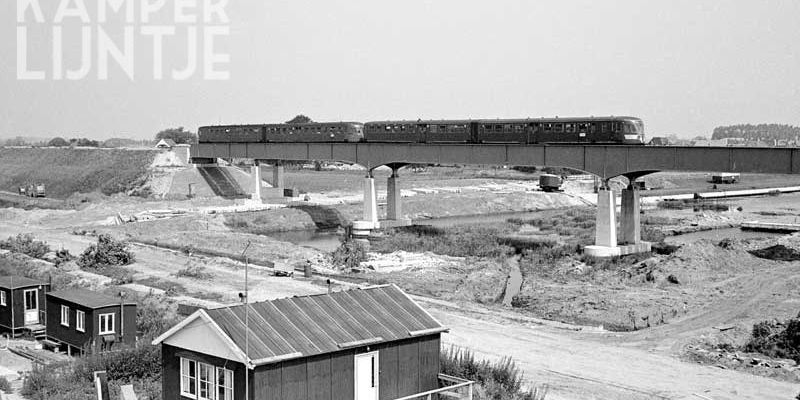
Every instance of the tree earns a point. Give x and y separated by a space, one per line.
178 135
300 119
58 142
84 142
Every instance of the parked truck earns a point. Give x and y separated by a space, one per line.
550 182
33 190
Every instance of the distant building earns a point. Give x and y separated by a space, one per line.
79 320
659 141
363 344
22 305
166 144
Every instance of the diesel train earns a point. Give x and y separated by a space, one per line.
589 130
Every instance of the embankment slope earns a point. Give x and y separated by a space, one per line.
67 171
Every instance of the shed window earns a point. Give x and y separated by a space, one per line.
224 384
188 378
80 318
205 382
106 324
2 298
65 315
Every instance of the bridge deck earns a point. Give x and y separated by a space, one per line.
604 161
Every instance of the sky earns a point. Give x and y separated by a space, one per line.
683 66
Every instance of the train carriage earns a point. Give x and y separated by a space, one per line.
309 132
587 130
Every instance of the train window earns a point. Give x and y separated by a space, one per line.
519 128
559 128
402 127
569 128
547 127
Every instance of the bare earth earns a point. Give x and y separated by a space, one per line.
576 365
574 362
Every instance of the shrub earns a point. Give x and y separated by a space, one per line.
498 380
776 339
107 251
196 272
4 385
63 256
25 244
74 379
349 254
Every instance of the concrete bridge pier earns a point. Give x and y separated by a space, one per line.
630 217
370 201
278 175
256 173
606 244
393 206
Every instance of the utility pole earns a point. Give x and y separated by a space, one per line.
246 327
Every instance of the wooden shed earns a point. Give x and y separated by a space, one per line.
22 305
362 344
81 320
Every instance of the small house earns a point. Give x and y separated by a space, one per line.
165 144
83 320
22 305
362 344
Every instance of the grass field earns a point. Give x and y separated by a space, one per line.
68 171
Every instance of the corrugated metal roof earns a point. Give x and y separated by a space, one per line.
311 325
16 282
87 298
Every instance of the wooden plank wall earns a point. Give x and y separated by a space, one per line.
406 367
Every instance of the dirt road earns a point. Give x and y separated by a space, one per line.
575 366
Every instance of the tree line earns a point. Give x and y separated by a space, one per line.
179 135
757 132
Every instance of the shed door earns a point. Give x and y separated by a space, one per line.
367 376
31 306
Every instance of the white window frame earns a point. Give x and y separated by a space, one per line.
3 298
101 327
64 315
224 389
209 381
80 321
187 378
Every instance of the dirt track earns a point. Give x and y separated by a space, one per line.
576 365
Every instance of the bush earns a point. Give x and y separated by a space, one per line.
4 385
25 244
107 251
74 379
498 380
349 255
63 256
776 339
196 272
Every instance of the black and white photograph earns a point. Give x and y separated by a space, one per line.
399 200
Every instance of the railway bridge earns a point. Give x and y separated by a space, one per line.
606 162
